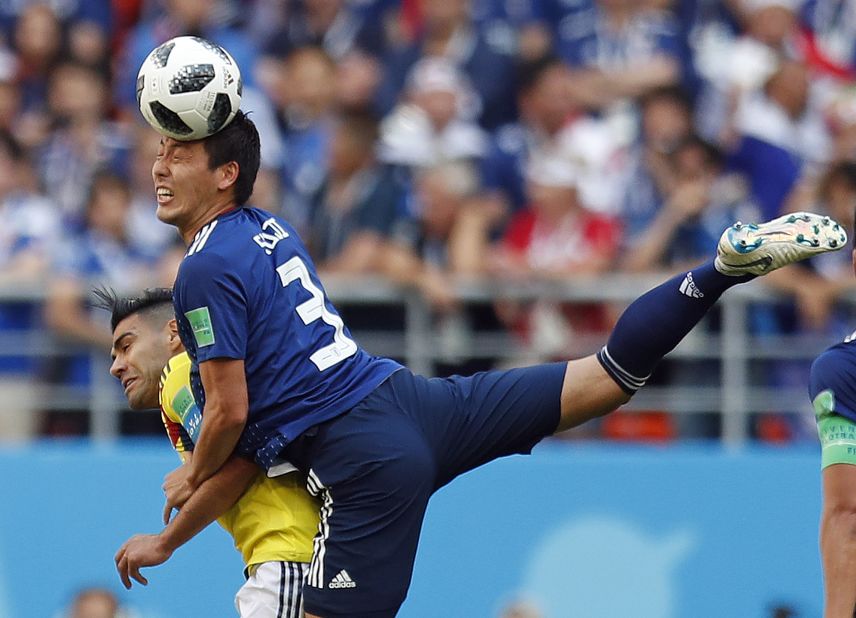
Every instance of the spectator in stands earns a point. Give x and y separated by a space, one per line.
556 237
447 31
68 12
619 50
522 25
428 247
818 285
840 115
38 41
333 25
435 122
355 40
665 123
735 64
689 222
307 116
30 228
353 211
545 109
89 44
779 135
82 140
100 254
31 223
10 94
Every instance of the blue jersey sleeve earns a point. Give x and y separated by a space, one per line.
835 371
211 303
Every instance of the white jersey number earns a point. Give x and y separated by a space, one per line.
316 309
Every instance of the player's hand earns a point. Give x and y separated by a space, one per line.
141 550
178 489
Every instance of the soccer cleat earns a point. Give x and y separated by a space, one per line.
756 249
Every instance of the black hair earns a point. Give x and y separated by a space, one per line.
671 93
151 301
238 141
12 147
105 178
841 172
530 72
713 156
361 125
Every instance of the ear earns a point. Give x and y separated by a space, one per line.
227 175
175 345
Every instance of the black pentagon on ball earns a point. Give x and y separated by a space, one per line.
169 120
191 78
219 113
161 54
213 47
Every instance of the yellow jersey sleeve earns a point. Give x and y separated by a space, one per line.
276 519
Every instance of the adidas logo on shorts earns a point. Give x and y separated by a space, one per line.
342 580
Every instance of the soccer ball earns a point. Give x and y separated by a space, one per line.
189 88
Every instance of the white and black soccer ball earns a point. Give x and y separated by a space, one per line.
189 88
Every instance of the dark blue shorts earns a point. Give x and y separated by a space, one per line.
375 468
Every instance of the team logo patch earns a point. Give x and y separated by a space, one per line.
200 322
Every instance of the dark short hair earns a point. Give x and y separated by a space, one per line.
713 156
670 94
150 302
843 172
360 125
238 141
11 146
530 72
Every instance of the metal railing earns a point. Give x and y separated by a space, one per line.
733 348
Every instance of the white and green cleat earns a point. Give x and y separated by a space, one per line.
759 248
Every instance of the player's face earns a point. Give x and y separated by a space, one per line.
139 354
185 188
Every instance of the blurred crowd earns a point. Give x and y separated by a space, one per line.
427 141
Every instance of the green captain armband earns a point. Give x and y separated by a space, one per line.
837 433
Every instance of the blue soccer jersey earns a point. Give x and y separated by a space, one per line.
247 289
833 372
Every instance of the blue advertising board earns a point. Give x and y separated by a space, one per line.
572 531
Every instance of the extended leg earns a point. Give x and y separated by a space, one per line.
658 320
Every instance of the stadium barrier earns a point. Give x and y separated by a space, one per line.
732 351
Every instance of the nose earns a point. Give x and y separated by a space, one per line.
159 168
116 368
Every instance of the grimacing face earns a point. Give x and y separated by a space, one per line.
140 351
182 181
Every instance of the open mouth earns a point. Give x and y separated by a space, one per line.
164 195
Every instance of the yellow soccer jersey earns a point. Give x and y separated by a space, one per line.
276 519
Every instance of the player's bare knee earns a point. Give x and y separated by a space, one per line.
588 392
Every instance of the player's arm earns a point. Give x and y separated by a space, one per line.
212 301
834 400
838 540
226 409
213 498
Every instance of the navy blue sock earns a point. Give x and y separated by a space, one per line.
656 322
